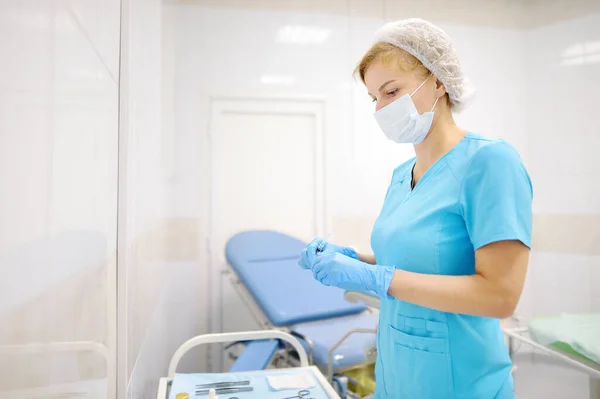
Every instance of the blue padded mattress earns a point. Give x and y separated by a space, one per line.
267 263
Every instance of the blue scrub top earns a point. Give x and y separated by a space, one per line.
476 194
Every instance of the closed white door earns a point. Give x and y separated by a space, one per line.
267 173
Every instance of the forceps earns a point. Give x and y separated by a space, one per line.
223 384
221 391
301 394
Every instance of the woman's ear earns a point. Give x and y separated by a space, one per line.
440 89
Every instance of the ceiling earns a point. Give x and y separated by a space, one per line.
516 14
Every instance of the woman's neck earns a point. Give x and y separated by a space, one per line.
443 136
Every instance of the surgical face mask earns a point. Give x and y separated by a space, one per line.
401 122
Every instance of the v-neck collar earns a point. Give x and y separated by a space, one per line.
433 168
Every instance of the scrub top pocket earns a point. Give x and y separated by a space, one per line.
421 367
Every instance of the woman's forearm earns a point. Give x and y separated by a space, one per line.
367 258
473 295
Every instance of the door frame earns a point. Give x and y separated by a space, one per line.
311 105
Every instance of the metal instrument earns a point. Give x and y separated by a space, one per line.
225 384
322 243
303 394
221 391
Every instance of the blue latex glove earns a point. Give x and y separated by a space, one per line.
350 274
309 253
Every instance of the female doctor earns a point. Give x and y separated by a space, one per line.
451 243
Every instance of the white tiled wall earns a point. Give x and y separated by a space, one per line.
162 294
563 137
358 154
215 54
58 157
143 203
560 283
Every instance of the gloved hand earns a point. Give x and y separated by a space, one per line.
341 271
309 253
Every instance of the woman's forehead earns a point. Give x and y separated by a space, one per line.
378 72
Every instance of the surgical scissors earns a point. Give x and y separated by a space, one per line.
301 394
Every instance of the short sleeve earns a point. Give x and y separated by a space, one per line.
496 196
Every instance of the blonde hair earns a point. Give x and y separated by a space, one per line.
388 54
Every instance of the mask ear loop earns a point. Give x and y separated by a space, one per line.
421 85
434 104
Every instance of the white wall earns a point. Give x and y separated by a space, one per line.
58 153
215 54
141 194
560 101
159 301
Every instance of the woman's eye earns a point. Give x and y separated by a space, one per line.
393 92
373 100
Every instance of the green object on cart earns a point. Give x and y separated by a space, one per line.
575 334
